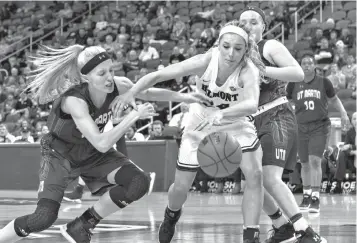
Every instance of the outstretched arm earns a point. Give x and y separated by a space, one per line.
288 69
193 65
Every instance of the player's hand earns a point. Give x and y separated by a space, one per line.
146 110
345 122
197 98
213 120
121 101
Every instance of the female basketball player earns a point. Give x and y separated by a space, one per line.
230 76
277 131
81 82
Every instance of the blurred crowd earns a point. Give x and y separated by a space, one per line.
144 36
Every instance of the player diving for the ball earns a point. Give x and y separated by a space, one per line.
230 76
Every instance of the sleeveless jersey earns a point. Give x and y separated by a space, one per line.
274 89
310 99
230 93
67 140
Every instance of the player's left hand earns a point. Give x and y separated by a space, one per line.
212 120
197 98
345 122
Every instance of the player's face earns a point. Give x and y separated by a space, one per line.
102 77
232 48
253 23
308 65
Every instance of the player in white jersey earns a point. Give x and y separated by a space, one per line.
230 76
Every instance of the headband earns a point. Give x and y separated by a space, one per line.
234 29
257 10
95 61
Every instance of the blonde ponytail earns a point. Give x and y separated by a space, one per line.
56 71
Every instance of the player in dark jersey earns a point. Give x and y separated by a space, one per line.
311 99
277 130
81 83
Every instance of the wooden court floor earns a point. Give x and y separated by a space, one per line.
207 218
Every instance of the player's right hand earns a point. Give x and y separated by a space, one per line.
146 110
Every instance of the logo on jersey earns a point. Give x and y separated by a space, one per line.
232 88
103 119
280 154
308 93
223 95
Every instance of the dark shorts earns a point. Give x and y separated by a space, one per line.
277 132
313 138
56 172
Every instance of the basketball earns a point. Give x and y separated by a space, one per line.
219 154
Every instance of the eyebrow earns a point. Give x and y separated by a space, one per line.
238 44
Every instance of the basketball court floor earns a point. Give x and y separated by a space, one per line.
207 218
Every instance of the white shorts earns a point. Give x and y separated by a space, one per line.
243 130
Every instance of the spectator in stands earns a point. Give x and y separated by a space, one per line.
23 105
341 54
12 62
179 120
90 41
156 133
163 33
3 95
316 40
333 38
148 52
43 131
122 43
123 22
118 63
311 30
25 137
102 23
324 55
59 39
330 26
81 37
208 41
89 26
347 156
133 135
347 38
179 28
5 136
10 100
114 19
349 70
34 22
132 61
182 44
191 51
109 45
337 78
150 33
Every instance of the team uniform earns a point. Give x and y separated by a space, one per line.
66 154
311 109
230 93
276 123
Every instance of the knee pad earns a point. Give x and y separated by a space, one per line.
132 185
44 216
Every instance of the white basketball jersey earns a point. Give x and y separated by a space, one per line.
230 93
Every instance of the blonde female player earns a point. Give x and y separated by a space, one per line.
277 131
230 77
82 84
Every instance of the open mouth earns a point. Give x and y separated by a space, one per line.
109 85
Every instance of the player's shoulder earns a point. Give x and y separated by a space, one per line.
249 69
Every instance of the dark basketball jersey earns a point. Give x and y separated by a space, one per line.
67 139
274 88
311 99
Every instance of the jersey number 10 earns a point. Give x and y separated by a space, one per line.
310 105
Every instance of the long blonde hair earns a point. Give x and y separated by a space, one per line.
252 51
57 70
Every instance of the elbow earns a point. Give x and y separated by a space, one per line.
102 146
